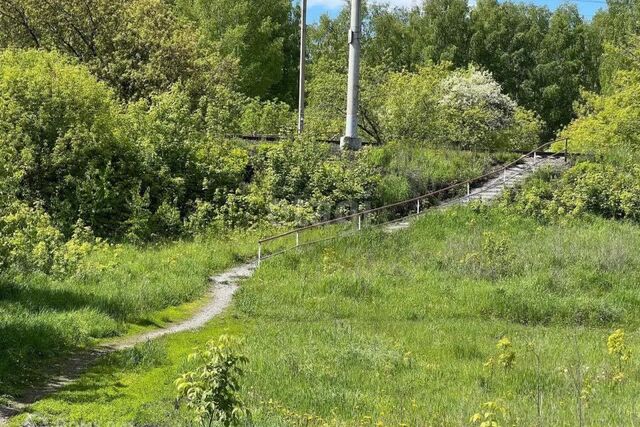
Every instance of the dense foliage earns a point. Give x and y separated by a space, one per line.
607 183
262 36
139 47
62 142
608 123
70 147
541 59
463 108
119 118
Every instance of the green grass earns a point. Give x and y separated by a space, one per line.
397 329
120 290
413 169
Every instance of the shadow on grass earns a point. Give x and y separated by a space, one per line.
90 376
41 325
35 298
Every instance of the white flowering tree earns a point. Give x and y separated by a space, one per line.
474 110
463 108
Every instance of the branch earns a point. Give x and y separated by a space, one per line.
21 19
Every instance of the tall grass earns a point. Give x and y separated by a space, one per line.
121 286
413 169
398 329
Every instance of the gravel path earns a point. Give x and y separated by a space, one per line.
224 286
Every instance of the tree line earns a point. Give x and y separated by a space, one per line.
542 59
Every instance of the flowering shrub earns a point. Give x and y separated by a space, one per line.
29 242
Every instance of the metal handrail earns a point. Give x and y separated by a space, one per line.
415 200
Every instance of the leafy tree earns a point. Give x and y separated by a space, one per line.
608 123
261 35
618 27
416 116
393 37
541 59
444 31
59 132
389 36
139 47
327 39
505 39
564 65
327 100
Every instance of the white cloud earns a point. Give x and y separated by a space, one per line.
335 4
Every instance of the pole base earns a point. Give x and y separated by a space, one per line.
350 143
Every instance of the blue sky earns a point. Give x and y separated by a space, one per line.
332 7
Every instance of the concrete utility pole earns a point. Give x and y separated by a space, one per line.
350 139
303 63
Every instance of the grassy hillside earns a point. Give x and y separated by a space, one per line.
124 288
402 330
118 289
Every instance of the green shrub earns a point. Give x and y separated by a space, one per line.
416 116
166 221
267 117
201 218
30 243
28 240
184 160
588 188
212 389
299 181
607 124
59 128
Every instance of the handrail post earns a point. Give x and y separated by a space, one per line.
535 156
297 239
504 176
259 253
418 209
566 150
468 188
359 222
